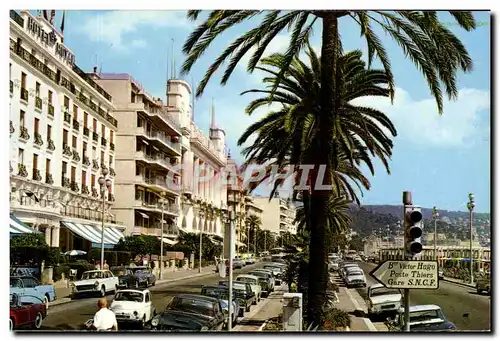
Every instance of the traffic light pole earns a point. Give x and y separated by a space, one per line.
406 201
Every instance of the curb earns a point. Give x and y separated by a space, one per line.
357 306
261 328
459 283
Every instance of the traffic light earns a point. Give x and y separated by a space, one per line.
413 230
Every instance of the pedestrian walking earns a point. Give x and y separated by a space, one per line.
104 319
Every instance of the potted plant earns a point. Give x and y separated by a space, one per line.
336 320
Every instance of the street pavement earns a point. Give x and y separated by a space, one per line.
461 305
71 316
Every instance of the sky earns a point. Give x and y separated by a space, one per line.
440 159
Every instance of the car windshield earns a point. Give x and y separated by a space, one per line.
383 291
129 296
92 275
246 280
15 283
141 271
193 305
420 316
355 273
216 292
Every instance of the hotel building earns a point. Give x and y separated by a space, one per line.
278 214
62 138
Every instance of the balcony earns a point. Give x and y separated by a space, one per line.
24 94
159 116
38 103
51 110
203 143
159 183
33 61
103 142
156 207
23 133
162 140
12 130
67 117
38 139
37 175
67 150
50 145
76 125
112 146
95 136
86 131
49 179
161 163
11 87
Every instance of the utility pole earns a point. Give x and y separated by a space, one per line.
406 201
435 216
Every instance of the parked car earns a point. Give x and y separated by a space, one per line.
277 272
30 287
205 312
264 281
345 267
278 259
383 300
333 264
238 263
133 306
249 260
95 282
483 284
136 277
222 293
244 287
271 273
254 284
26 311
355 277
423 318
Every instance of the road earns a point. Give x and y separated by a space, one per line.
72 315
455 301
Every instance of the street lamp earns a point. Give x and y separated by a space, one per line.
435 216
248 237
232 224
105 184
162 202
201 214
470 206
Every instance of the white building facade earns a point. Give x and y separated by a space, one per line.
61 139
278 215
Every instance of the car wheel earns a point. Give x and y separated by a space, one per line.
46 302
38 320
103 291
11 324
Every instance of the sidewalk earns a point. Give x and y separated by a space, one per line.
63 293
268 308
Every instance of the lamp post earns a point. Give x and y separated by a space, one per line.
248 237
162 202
435 215
105 184
232 223
470 206
201 214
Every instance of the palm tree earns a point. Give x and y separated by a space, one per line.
254 223
431 46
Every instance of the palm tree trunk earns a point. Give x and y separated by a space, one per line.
323 156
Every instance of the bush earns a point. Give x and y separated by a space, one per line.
54 256
336 319
81 266
113 258
59 270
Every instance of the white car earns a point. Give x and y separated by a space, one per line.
272 278
333 264
254 284
343 270
355 277
277 272
96 281
383 300
133 306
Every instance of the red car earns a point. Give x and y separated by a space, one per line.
23 314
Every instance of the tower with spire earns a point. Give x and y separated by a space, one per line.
217 134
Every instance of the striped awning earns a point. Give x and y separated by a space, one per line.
17 226
92 233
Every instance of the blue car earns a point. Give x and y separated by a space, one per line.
27 286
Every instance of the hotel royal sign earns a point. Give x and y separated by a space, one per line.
50 39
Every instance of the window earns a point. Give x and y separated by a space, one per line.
20 156
92 180
110 161
111 136
49 132
84 178
73 174
94 125
138 170
84 152
65 137
74 142
21 118
75 112
50 97
132 97
35 161
23 80
94 152
85 119
64 168
37 89
66 101
103 130
139 122
37 124
102 157
47 165
10 70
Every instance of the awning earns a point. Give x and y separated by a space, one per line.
169 241
93 233
17 226
145 216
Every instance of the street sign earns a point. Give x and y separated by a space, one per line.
407 274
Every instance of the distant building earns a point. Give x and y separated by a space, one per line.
278 214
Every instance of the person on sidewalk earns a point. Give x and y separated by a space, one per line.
104 319
105 266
